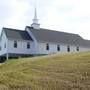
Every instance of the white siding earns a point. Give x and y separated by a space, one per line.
35 45
40 47
21 47
3 41
53 48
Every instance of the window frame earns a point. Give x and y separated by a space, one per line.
47 47
15 44
0 48
77 48
58 47
28 45
4 45
68 48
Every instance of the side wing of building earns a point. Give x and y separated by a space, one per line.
16 43
48 41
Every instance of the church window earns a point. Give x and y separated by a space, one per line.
47 46
0 48
28 45
68 48
5 45
77 48
15 44
58 47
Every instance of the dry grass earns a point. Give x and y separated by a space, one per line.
53 72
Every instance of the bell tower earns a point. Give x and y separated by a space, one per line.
35 23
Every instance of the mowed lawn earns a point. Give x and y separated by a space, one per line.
70 71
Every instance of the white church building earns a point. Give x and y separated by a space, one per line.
38 41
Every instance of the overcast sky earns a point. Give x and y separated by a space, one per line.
63 15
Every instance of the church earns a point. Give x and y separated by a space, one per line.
39 41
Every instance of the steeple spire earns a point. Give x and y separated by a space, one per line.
35 14
35 20
35 23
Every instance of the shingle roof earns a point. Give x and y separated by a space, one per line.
83 43
47 36
58 37
16 34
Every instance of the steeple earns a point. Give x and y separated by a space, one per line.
35 17
35 23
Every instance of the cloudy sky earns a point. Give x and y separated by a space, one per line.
63 15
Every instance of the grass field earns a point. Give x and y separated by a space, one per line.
53 72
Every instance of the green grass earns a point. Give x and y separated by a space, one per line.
69 71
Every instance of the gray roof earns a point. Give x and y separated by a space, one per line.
58 37
83 43
16 34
